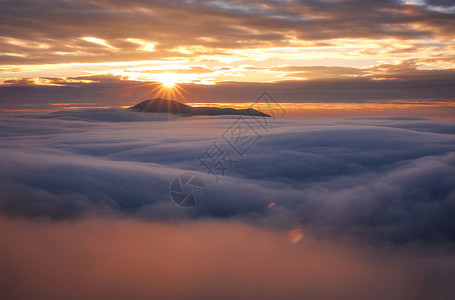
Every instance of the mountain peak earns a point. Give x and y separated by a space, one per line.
160 105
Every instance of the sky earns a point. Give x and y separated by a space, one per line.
302 51
346 192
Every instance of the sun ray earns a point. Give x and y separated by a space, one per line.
167 80
164 90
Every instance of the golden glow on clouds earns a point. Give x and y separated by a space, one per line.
235 41
25 43
145 46
435 110
248 65
411 3
429 109
97 41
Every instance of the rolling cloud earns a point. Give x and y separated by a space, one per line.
387 179
84 199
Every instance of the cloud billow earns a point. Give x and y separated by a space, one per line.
379 179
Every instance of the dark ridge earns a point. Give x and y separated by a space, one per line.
160 105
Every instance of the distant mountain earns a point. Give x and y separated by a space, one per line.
160 105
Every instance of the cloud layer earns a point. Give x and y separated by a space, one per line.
93 31
86 213
380 179
49 42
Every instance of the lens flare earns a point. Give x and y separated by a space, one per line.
271 204
295 235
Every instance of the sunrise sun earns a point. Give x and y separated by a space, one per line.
168 80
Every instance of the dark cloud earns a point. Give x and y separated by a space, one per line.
408 70
53 31
19 82
443 3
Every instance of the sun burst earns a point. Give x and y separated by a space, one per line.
168 80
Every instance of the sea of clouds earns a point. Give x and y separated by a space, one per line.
386 182
381 178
